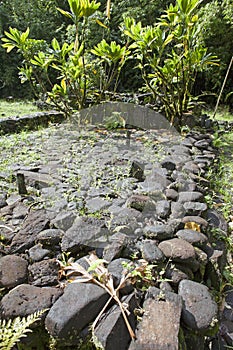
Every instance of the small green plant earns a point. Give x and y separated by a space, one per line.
65 260
114 121
141 273
228 274
12 331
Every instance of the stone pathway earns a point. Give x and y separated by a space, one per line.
131 195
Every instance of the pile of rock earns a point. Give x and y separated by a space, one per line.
160 217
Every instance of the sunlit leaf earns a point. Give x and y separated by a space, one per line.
65 13
192 226
101 23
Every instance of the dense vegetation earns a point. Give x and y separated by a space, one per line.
83 50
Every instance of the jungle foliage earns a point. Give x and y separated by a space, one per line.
87 51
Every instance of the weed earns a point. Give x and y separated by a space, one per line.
141 273
223 113
220 235
114 121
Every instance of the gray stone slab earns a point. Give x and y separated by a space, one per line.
194 208
37 180
26 299
112 332
190 196
85 232
171 194
228 307
158 231
140 202
37 253
64 220
25 238
44 273
163 208
177 249
216 219
79 305
117 243
159 327
200 310
96 204
151 252
50 237
191 236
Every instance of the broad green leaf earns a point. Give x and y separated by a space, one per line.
11 36
65 13
55 44
8 47
24 35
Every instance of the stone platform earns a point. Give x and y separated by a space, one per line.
130 195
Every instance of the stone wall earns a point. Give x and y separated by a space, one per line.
29 122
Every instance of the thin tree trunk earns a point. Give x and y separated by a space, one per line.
223 85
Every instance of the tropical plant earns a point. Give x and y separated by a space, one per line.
170 55
112 58
216 31
68 60
79 76
27 48
12 331
44 23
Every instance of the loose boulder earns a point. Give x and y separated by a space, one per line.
26 299
13 271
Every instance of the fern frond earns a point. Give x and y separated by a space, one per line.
12 331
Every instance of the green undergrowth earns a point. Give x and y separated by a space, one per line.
220 196
223 113
222 179
16 108
21 150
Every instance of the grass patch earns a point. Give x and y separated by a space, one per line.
16 108
221 179
223 113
